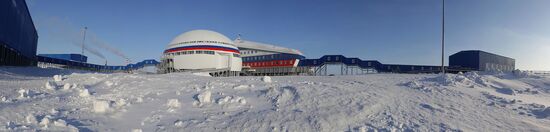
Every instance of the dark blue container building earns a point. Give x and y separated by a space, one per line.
18 37
480 61
71 57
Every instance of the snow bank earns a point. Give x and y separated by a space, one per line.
376 102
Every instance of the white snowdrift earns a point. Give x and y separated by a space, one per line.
187 102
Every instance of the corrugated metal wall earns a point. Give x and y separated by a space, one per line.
465 59
492 62
481 61
17 29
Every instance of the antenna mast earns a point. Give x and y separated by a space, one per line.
443 39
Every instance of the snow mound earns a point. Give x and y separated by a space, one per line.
173 104
418 86
203 98
84 93
281 96
266 79
30 119
453 80
101 106
25 93
231 100
45 122
109 83
58 78
50 85
67 86
240 87
525 74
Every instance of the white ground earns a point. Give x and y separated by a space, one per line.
33 99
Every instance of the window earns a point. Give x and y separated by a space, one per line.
191 52
236 55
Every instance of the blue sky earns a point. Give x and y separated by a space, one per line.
391 31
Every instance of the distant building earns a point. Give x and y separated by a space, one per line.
18 37
266 59
202 50
481 61
69 57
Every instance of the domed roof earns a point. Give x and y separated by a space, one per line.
201 35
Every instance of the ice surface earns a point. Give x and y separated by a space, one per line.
85 101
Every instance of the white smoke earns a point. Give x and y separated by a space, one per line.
61 29
104 45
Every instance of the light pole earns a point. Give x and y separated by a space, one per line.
83 40
443 38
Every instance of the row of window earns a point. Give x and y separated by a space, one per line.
216 42
196 52
249 52
272 57
192 52
270 63
413 68
352 61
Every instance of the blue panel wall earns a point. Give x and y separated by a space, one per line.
17 29
465 60
481 61
46 59
328 59
71 57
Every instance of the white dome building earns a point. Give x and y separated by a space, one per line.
202 50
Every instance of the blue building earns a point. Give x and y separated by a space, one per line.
18 36
71 57
481 61
355 65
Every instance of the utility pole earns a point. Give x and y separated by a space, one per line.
443 39
83 41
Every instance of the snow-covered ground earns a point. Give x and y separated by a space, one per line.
67 100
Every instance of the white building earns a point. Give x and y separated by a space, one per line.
202 50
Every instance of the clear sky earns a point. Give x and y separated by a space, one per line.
391 31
